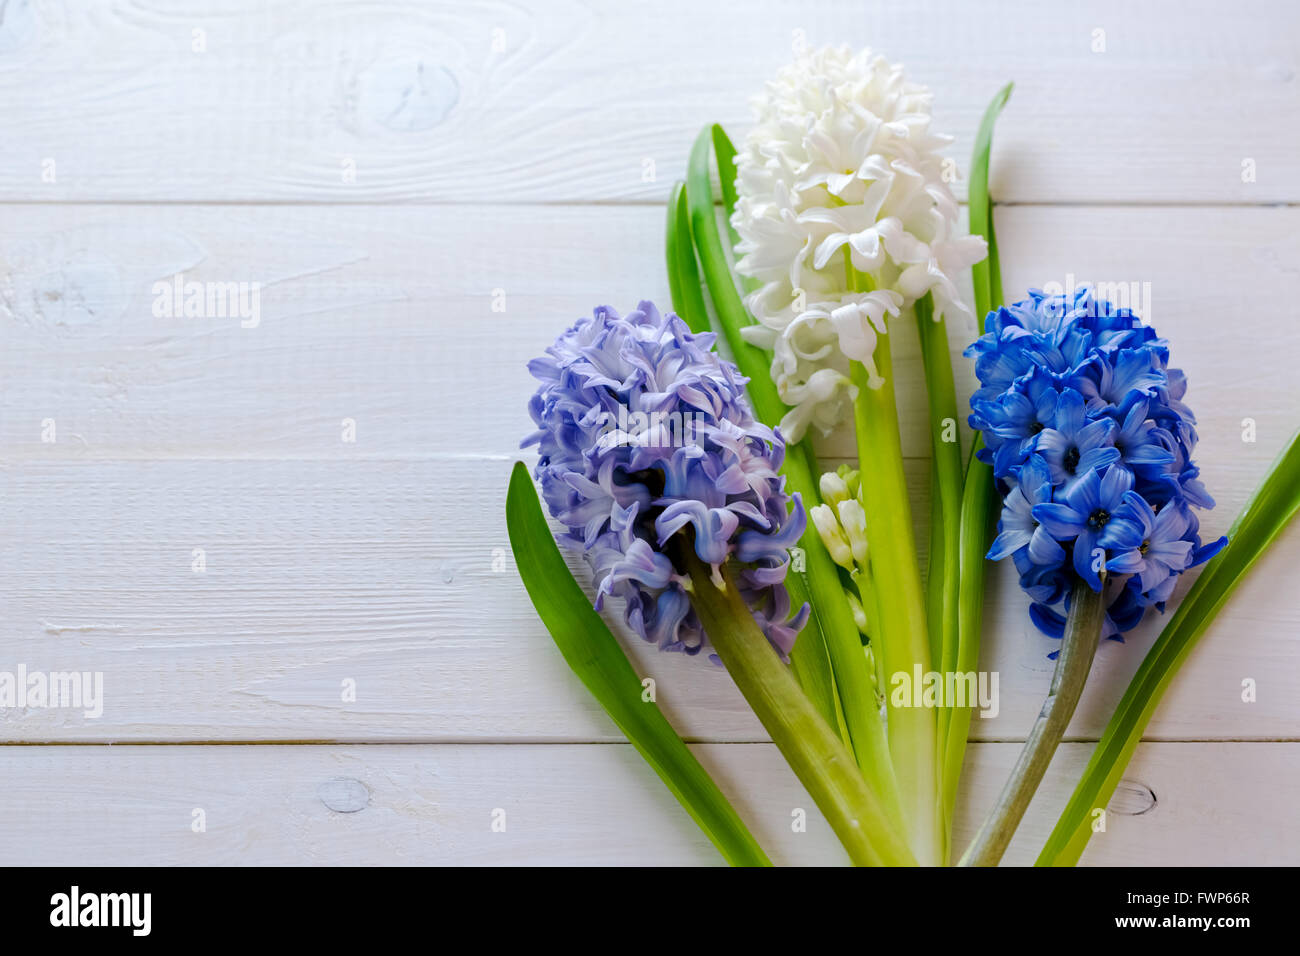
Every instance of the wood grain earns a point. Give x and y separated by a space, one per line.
565 101
361 318
576 805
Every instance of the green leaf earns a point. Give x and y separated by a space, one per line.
978 509
809 661
727 304
947 474
1267 513
595 655
683 274
979 505
834 645
986 275
724 154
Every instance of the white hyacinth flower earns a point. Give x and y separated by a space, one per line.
842 169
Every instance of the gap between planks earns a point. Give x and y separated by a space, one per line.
560 742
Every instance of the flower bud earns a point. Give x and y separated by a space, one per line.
832 536
852 479
833 489
859 615
853 519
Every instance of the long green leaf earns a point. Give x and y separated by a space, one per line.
1268 512
595 656
730 310
978 508
838 641
947 474
724 154
987 275
979 502
683 274
810 659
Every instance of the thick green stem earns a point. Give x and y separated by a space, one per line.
1082 634
809 660
903 637
810 746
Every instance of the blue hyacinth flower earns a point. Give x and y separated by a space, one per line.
1091 445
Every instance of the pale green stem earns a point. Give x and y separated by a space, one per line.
903 637
867 598
1082 634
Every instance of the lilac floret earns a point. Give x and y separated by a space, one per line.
648 446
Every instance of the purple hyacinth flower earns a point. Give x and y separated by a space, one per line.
648 446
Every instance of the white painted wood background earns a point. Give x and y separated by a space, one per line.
507 146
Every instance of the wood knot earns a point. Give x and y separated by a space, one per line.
344 795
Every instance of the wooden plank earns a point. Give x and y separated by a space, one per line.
397 575
360 318
574 805
546 101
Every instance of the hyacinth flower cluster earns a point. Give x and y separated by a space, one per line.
845 216
652 461
1091 444
643 432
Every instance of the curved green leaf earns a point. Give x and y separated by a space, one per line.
727 304
979 504
596 657
683 274
987 275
